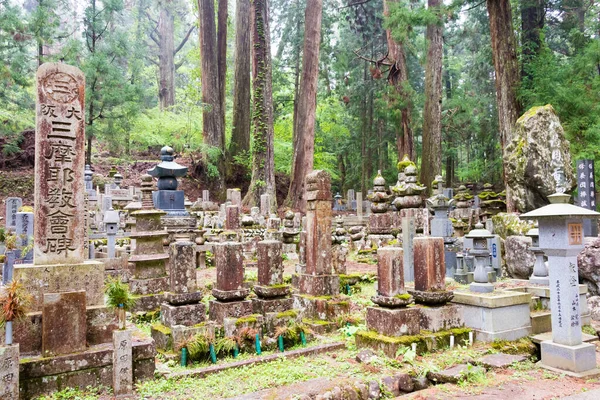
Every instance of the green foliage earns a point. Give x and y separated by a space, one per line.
118 295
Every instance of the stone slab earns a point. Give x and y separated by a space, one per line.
452 374
64 323
500 360
393 322
440 318
578 358
218 311
149 286
548 336
494 300
232 326
319 285
183 298
9 372
40 279
122 363
263 306
187 315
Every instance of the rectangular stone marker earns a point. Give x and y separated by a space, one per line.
182 273
318 223
12 208
59 165
430 266
232 219
236 197
265 205
64 323
586 193
496 254
359 204
122 363
408 234
426 216
390 271
230 267
269 262
24 228
9 372
351 200
205 195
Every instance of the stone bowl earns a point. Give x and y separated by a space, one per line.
272 291
432 297
391 302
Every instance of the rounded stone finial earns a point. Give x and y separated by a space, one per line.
146 178
410 170
379 179
167 151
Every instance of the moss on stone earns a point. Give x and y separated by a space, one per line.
161 328
315 322
286 314
403 296
250 319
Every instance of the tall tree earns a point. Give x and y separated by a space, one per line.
263 165
165 40
506 66
213 129
222 58
398 77
532 23
431 160
240 131
304 135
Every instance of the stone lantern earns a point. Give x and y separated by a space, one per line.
111 224
561 238
481 253
118 179
338 202
540 269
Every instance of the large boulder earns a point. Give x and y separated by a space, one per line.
507 224
519 259
538 146
588 262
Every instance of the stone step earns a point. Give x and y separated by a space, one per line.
541 322
535 303
453 374
500 360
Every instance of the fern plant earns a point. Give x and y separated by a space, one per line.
119 298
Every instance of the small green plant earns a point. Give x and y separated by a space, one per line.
118 297
226 345
589 330
472 375
406 354
199 345
10 241
2 234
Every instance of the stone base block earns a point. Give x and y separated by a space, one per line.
579 358
461 278
183 298
169 339
92 367
149 286
218 311
481 287
230 295
320 308
393 322
319 327
232 326
264 306
274 319
150 302
272 291
501 316
319 285
187 314
441 318
541 322
426 343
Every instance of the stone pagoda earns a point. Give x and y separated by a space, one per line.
380 222
149 258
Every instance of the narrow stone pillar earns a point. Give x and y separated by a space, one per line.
359 204
9 372
122 363
236 197
270 267
408 234
390 271
232 218
430 267
265 205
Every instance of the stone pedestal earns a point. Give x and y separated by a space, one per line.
122 363
380 224
578 360
497 316
430 271
319 285
440 318
218 311
9 372
390 271
232 217
393 322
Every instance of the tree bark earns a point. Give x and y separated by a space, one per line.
263 166
222 55
398 76
212 120
431 160
166 56
506 66
303 160
240 132
532 23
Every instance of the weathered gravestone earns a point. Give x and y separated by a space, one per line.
12 207
586 192
122 363
9 372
